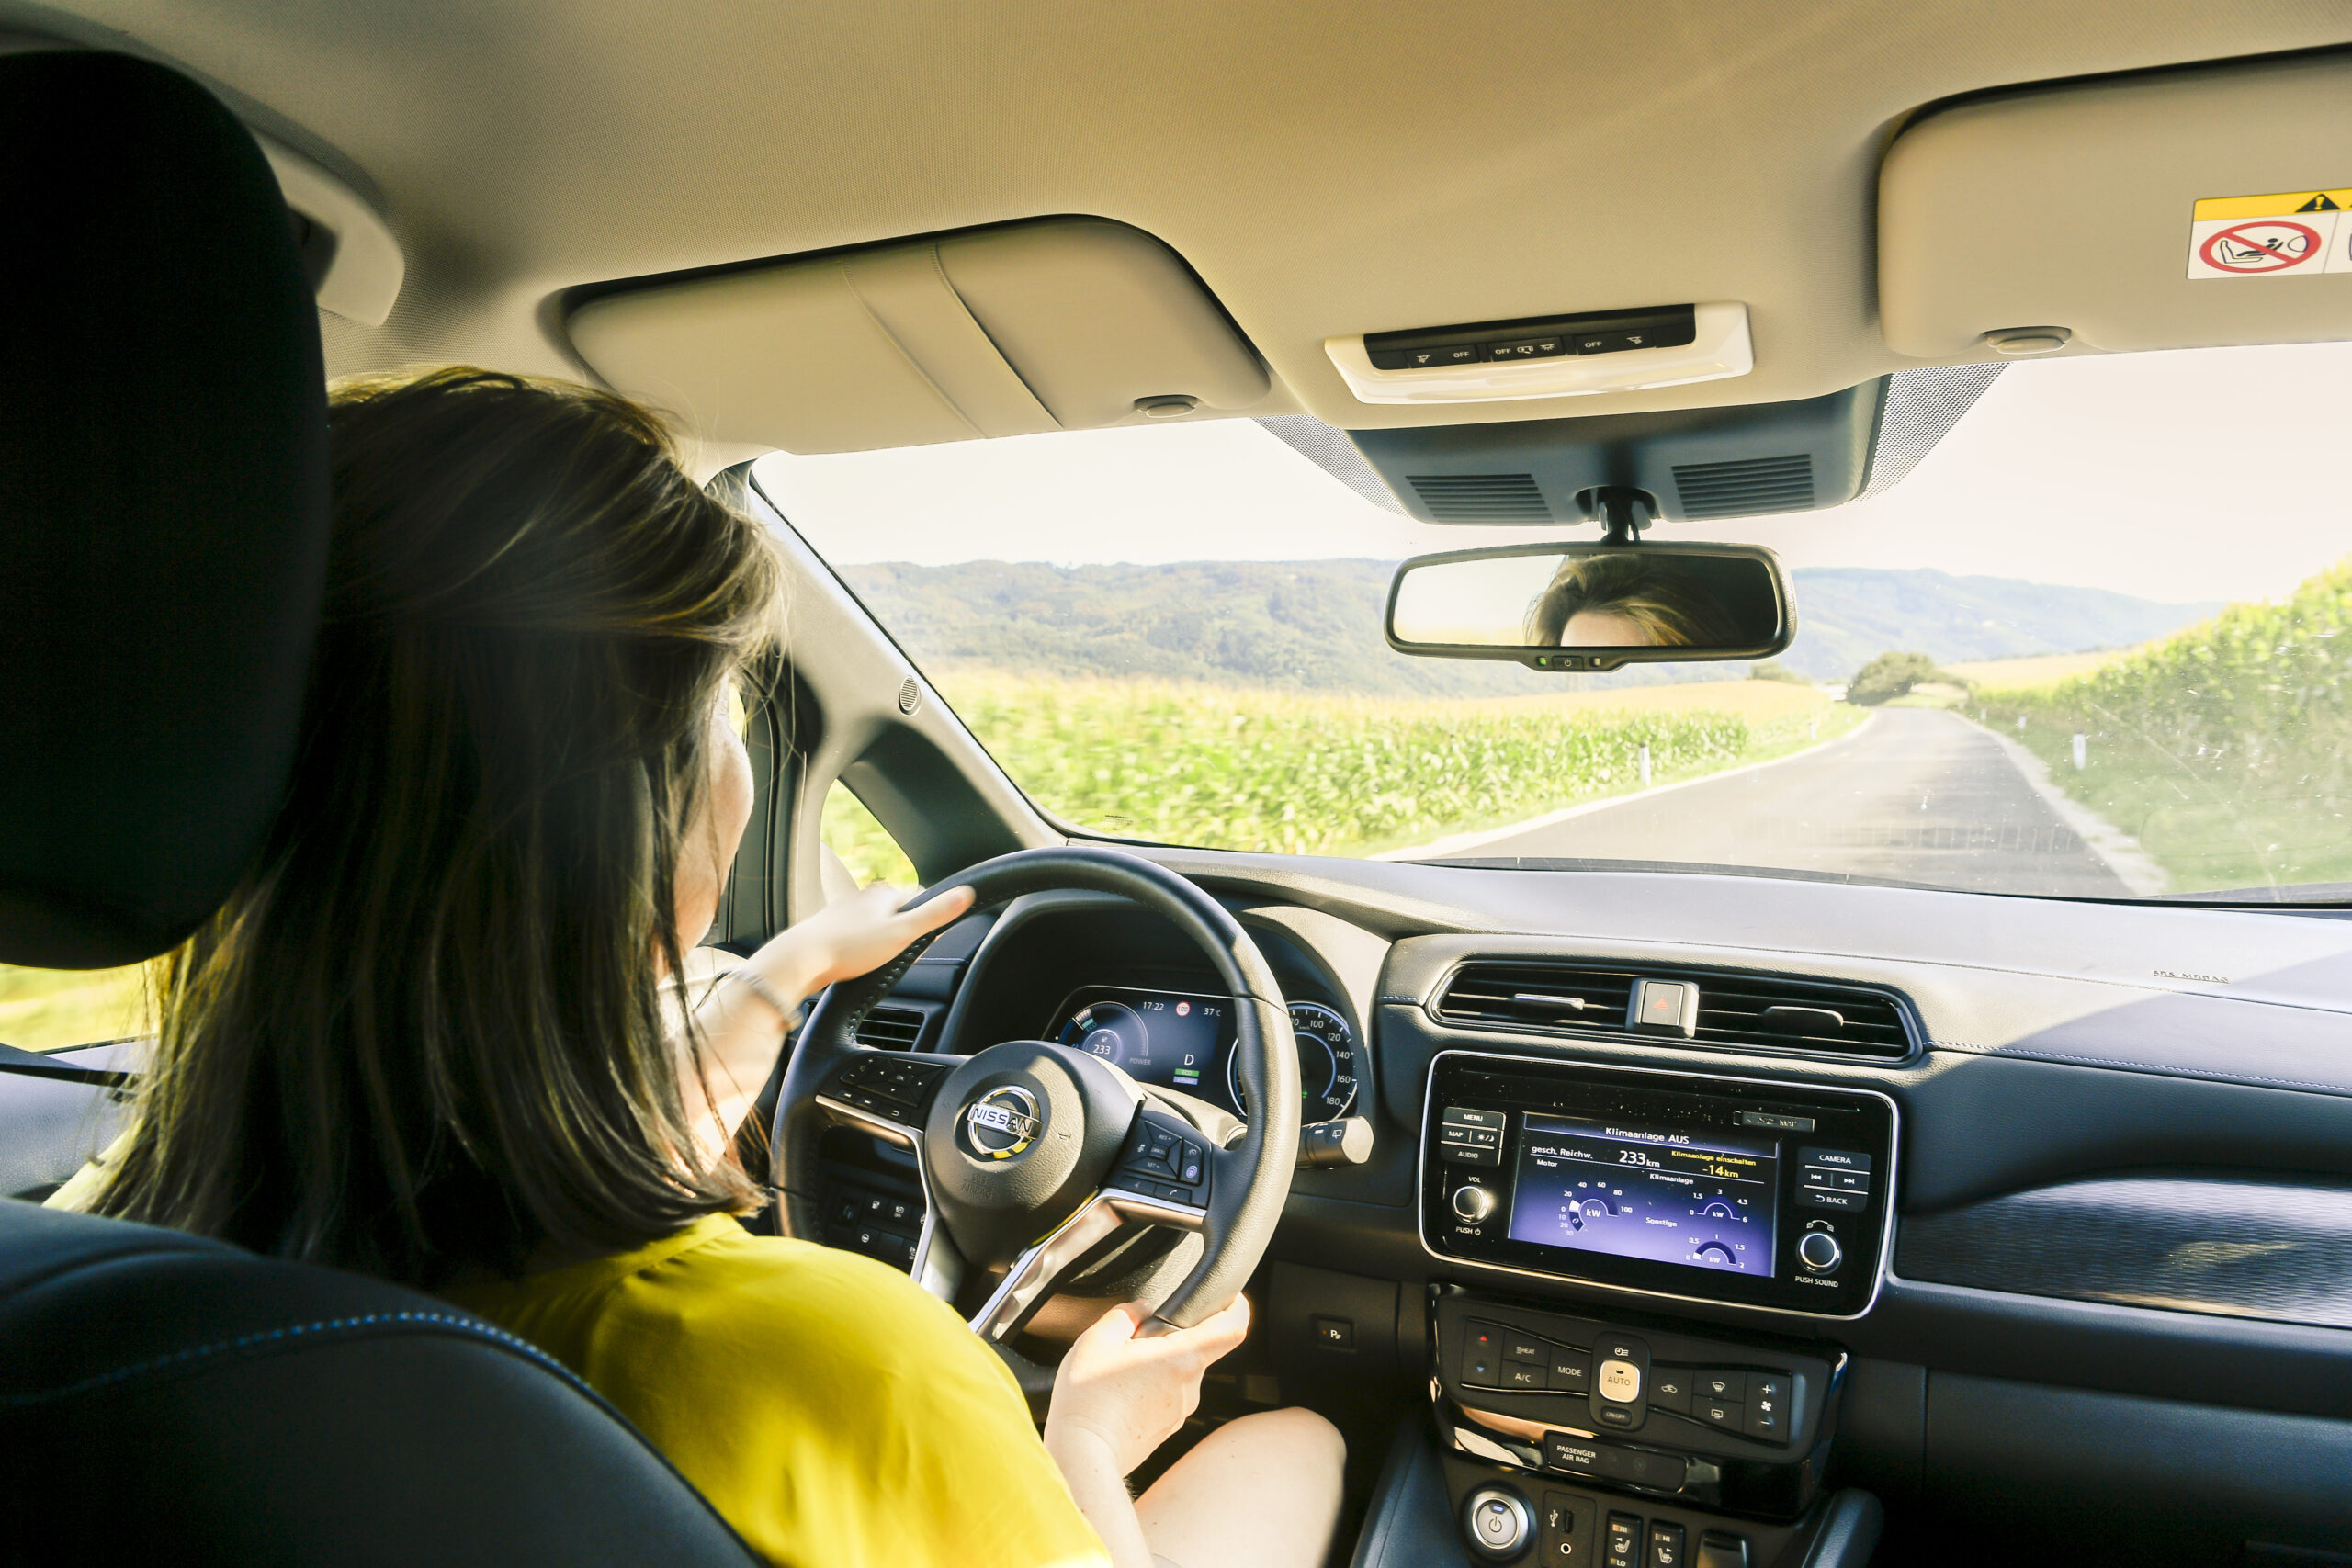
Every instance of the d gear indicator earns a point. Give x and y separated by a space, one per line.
1703 1200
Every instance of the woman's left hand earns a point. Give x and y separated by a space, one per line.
848 938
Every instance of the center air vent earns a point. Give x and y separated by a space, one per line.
1745 489
891 1029
1753 1012
1481 498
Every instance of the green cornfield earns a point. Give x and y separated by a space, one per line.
2225 750
1283 771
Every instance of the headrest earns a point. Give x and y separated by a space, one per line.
163 505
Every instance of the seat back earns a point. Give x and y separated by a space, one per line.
163 521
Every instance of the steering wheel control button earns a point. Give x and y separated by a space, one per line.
1819 1251
1620 1382
1497 1523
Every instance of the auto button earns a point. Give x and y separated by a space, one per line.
1621 1370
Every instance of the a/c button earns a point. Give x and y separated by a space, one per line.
1619 1381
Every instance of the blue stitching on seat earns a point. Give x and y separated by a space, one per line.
465 1326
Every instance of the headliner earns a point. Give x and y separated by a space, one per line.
1326 168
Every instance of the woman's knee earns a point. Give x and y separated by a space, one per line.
1296 1436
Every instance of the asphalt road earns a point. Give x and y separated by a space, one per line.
1916 795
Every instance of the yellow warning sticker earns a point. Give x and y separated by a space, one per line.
2273 206
2289 235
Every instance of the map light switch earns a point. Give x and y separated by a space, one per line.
1666 1006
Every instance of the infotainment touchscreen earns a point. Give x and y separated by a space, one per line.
1633 1190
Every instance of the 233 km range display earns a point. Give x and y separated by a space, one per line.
1705 1200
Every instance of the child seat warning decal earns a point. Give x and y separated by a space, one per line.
2292 234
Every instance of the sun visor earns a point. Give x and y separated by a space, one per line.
1066 323
1696 463
2180 210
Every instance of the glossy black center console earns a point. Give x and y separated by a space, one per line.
1676 1184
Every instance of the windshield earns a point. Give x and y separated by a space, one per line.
2088 648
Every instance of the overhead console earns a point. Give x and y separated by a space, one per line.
1547 357
1663 1184
1063 324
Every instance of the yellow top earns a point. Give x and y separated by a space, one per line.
829 1409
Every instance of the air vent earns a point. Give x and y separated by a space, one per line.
1544 997
1780 1014
1481 498
1745 488
1755 1012
891 1029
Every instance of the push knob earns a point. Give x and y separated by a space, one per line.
1497 1522
1473 1203
1819 1251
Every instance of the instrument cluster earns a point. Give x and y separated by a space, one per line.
1185 1041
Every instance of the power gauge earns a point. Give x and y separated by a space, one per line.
1327 1064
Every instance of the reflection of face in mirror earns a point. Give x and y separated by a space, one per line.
1624 599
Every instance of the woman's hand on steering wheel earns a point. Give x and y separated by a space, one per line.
1130 1394
852 937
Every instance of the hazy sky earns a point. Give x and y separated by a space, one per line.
2213 474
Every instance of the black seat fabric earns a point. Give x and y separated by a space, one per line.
162 518
163 505
168 1399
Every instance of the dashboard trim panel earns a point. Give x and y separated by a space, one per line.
1883 1265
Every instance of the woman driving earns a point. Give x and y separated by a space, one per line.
441 1033
1625 599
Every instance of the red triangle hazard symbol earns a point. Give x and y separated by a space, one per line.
2319 203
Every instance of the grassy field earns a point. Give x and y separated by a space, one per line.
1232 768
43 1009
2225 750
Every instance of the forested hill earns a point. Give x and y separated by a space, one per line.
1316 624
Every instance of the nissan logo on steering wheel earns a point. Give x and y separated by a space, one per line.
1002 1123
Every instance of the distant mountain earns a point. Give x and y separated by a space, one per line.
1316 624
1849 615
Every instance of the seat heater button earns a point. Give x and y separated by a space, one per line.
1665 1545
1620 1382
1621 1544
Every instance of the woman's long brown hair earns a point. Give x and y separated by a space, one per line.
428 1030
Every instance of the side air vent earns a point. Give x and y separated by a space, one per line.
1746 487
1751 1013
1481 498
891 1029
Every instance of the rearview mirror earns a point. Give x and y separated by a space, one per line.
1593 606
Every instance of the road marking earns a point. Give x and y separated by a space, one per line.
1456 842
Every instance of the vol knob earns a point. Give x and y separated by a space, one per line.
1819 1251
1473 1203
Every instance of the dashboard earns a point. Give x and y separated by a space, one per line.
1185 1041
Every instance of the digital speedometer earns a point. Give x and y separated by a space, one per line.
1327 1064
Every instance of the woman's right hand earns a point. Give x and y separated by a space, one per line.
1130 1394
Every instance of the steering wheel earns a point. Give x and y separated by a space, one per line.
1035 1157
